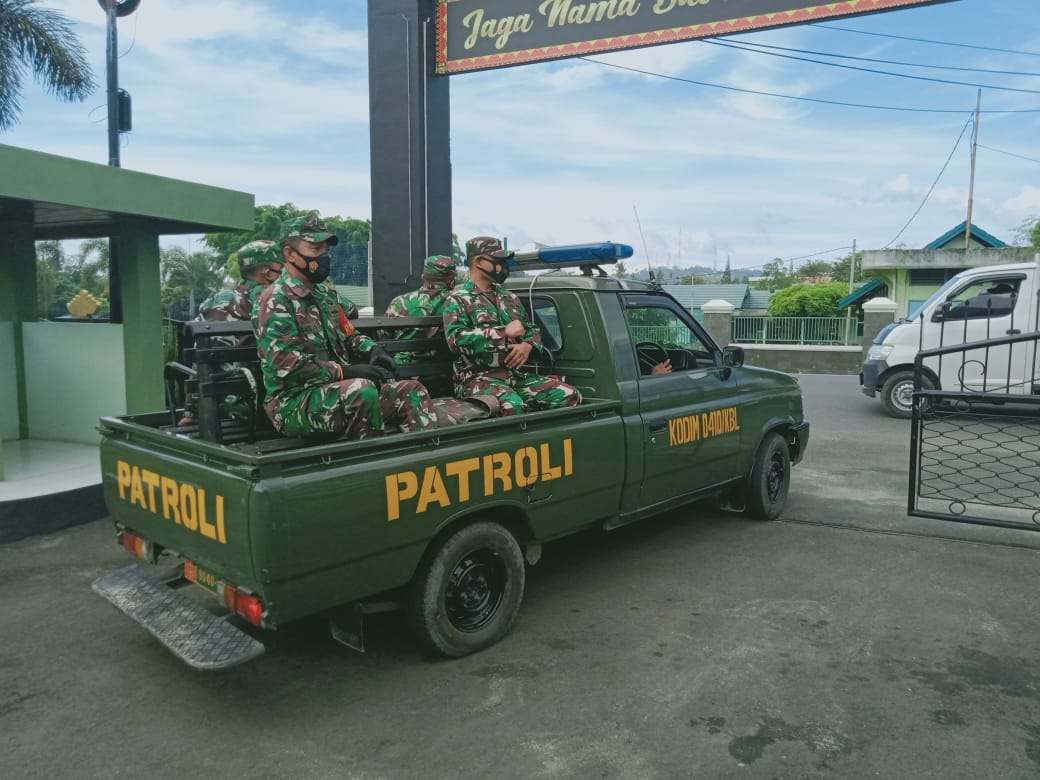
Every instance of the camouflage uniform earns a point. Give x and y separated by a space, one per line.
427 301
304 344
474 323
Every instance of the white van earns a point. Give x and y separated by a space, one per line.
981 303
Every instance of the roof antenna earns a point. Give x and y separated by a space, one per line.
642 238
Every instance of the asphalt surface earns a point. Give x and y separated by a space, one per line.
844 641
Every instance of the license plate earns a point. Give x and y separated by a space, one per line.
200 576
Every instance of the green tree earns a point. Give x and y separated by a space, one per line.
188 279
1029 232
50 263
808 300
813 270
774 276
727 275
41 40
349 256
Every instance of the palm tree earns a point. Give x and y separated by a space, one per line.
44 41
191 277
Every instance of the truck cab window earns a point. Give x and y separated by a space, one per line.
547 318
662 332
981 299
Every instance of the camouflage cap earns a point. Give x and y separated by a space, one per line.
257 253
438 267
486 245
309 227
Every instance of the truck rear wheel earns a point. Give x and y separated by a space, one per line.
897 393
770 479
466 596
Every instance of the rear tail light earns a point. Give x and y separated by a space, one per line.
135 545
246 605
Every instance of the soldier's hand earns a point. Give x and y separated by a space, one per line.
517 355
515 329
379 357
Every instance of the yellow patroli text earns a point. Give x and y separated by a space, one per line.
179 502
459 481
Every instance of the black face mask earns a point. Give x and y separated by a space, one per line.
501 272
316 269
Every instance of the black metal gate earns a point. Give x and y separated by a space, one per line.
975 453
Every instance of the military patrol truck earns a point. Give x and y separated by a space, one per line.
441 523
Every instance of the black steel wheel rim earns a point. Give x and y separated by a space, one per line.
476 587
775 477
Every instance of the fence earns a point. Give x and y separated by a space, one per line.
826 331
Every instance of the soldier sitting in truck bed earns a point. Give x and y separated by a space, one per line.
492 337
306 349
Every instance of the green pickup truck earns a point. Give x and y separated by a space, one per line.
440 523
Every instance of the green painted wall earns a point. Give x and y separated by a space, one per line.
74 375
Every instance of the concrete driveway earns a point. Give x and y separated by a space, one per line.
845 641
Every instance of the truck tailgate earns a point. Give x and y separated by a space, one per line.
182 499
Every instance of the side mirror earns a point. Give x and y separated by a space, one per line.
733 356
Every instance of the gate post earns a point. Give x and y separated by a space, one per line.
408 138
877 313
718 321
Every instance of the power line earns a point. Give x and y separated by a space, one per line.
824 252
990 71
928 194
1009 154
925 40
806 99
740 47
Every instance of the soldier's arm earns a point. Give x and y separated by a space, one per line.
285 355
532 334
466 335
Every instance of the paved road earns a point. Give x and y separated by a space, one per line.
843 642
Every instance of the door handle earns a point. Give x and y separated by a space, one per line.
1014 332
659 428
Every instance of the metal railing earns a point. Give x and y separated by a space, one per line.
824 331
662 334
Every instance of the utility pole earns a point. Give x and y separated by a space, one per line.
848 309
113 9
971 183
116 118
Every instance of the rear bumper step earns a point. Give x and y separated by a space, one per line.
196 636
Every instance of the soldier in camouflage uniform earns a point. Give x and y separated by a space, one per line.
259 263
306 350
428 301
488 329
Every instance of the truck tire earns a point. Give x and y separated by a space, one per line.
766 492
897 393
467 594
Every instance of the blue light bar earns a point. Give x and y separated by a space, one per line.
572 255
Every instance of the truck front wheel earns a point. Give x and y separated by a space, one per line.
466 596
770 479
897 393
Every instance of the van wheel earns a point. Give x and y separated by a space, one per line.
770 479
897 393
466 596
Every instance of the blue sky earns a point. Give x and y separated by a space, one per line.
257 96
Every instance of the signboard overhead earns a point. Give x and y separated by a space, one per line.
481 34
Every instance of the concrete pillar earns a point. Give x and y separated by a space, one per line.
877 313
142 318
718 321
18 300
